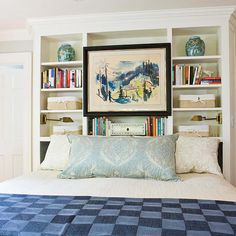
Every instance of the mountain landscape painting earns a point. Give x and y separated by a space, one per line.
131 82
124 80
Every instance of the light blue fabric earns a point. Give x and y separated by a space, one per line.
130 157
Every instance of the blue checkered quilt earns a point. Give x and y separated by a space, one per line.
30 215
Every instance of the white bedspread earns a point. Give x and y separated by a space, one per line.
196 186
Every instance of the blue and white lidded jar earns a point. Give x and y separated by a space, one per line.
66 53
195 46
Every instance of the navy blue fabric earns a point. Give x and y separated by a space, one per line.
29 215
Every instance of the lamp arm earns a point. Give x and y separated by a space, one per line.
54 119
210 119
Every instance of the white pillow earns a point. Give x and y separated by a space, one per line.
57 153
195 154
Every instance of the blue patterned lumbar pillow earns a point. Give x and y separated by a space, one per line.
129 157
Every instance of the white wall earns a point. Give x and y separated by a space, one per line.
19 40
16 46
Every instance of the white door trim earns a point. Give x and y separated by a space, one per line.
24 59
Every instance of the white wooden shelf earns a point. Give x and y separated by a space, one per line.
62 63
61 111
62 90
197 59
44 139
207 86
197 109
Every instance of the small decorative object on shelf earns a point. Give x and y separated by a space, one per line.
127 129
66 53
195 46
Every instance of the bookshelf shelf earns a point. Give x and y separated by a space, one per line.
197 109
197 59
44 139
210 86
61 111
62 64
62 90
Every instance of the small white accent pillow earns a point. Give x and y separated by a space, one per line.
196 154
57 154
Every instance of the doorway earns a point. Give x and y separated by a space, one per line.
15 115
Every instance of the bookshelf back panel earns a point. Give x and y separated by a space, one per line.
127 37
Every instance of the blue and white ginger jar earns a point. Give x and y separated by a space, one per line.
66 53
195 46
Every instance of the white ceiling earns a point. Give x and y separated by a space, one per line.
15 12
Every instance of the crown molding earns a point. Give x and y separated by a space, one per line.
124 16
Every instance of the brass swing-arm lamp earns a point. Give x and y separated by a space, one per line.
218 118
62 119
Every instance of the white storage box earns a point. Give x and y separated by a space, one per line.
193 130
64 103
67 129
197 101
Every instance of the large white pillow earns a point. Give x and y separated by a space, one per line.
57 154
197 154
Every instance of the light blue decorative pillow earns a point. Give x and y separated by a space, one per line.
129 157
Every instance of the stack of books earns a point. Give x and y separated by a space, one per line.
62 78
211 80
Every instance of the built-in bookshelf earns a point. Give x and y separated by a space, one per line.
60 79
142 28
197 75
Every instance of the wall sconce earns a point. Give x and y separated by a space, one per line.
218 118
62 119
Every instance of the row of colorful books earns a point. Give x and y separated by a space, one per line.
101 126
155 126
186 74
62 78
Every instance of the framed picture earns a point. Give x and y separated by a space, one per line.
127 80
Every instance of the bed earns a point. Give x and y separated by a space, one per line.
43 204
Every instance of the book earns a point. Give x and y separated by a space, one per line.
72 78
58 75
45 79
78 80
64 78
51 78
68 79
159 127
